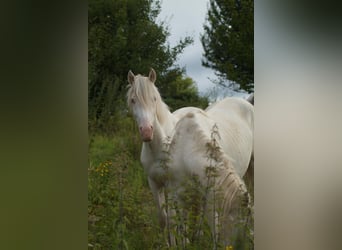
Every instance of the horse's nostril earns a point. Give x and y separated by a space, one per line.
141 128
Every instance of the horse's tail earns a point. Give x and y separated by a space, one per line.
235 199
250 99
234 190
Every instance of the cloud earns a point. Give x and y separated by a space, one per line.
186 18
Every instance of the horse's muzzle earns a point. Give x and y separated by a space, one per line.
146 133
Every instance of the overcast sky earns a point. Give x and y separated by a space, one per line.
186 17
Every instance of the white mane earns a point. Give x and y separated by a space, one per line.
146 93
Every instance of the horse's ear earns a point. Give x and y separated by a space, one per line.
130 77
152 76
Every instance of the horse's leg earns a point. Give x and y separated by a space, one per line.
227 230
221 223
171 213
236 221
160 201
165 214
212 218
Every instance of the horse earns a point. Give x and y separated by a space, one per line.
155 123
193 143
187 134
250 99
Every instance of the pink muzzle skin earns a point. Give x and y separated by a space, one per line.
146 133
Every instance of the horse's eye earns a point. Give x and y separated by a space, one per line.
155 98
133 101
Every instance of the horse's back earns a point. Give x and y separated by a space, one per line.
234 107
234 118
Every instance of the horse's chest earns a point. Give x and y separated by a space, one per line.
154 166
158 173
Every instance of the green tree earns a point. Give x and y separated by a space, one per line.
228 41
124 35
180 91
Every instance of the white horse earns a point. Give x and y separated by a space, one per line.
189 131
194 140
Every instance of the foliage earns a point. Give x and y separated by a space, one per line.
120 203
124 35
180 92
228 41
121 210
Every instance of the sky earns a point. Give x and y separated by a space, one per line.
186 17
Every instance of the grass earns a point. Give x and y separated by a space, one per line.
121 210
120 205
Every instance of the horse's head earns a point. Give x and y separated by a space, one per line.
143 98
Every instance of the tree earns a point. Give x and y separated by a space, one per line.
123 35
180 91
228 41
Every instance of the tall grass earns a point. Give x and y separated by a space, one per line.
121 210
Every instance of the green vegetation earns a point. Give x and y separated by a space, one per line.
121 211
228 41
123 36
121 208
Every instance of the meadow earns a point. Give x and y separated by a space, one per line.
121 210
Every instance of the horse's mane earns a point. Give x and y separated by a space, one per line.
146 93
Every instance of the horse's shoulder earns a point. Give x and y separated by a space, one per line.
234 101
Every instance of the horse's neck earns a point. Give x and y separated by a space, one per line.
161 131
167 125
